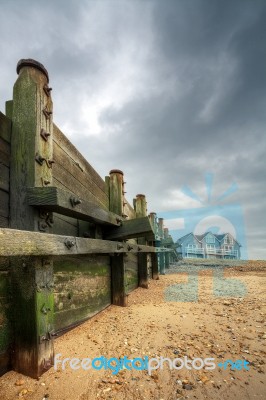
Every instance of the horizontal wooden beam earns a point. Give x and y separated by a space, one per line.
65 203
133 228
15 243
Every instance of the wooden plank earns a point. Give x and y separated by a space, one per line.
4 221
116 198
63 224
4 264
131 272
4 152
118 281
132 256
4 204
4 177
82 288
77 157
68 319
62 202
140 206
129 210
5 127
118 278
132 228
77 177
23 243
5 364
155 266
69 183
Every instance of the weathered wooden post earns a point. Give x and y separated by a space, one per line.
140 206
167 254
116 199
154 256
31 166
161 256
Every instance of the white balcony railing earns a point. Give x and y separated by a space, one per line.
212 251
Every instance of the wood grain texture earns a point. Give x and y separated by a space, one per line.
23 243
82 288
4 152
31 355
4 204
129 210
62 202
118 281
4 221
4 178
132 228
65 225
5 127
74 171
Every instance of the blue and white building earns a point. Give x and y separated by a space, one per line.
209 245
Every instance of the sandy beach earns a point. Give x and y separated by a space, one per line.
154 325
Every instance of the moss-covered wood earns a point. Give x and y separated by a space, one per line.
24 243
64 202
5 133
116 199
6 333
140 205
82 288
131 272
5 127
129 229
30 167
33 311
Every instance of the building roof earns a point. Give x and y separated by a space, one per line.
200 237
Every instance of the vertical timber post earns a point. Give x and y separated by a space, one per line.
31 166
118 284
161 254
140 206
167 254
154 257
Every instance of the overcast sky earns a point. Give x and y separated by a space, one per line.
165 90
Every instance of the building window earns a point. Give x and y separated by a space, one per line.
210 239
228 240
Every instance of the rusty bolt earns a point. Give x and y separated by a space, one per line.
50 163
47 90
45 135
47 113
74 201
50 221
69 243
39 159
42 226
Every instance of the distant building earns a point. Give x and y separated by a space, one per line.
209 245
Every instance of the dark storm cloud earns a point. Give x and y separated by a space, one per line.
164 90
